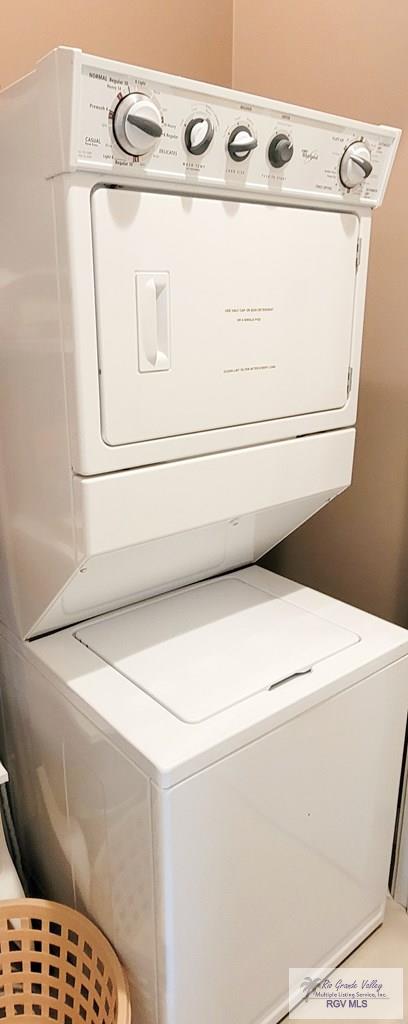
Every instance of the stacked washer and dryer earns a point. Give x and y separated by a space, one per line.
205 755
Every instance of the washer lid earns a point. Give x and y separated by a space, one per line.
199 651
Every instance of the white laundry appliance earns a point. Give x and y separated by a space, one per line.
205 755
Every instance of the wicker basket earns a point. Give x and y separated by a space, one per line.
56 964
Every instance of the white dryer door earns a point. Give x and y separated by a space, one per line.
213 313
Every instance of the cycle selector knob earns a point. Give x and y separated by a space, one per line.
198 135
137 124
280 151
241 143
355 165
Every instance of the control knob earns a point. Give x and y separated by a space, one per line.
198 135
137 124
241 142
280 150
355 164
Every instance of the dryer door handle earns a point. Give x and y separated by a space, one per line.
152 321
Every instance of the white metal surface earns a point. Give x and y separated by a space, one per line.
167 749
199 652
90 454
147 530
229 273
399 880
70 365
10 885
213 853
279 850
319 140
203 822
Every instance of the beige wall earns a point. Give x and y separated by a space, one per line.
186 37
351 58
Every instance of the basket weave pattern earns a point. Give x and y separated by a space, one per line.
57 965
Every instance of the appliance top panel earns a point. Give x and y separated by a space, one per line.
201 651
169 749
153 127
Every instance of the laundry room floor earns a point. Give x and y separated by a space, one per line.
387 947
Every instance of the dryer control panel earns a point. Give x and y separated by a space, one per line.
149 126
